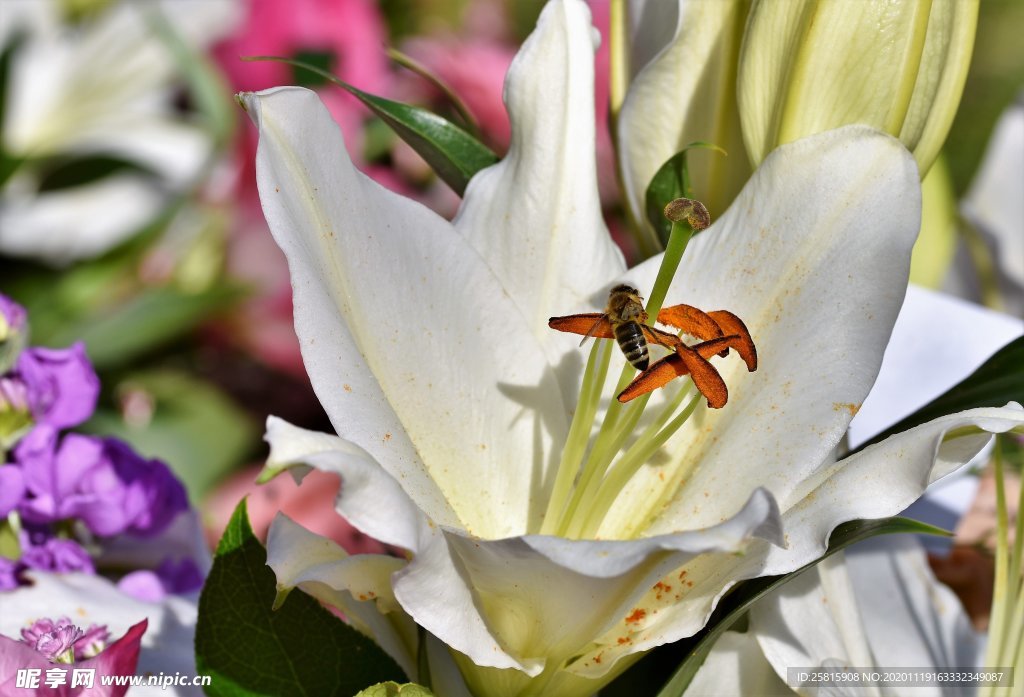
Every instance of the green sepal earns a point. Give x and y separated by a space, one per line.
746 593
671 181
300 649
452 153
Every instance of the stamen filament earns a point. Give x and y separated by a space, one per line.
602 452
630 463
579 432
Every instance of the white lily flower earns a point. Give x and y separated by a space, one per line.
167 645
995 208
103 88
879 610
426 342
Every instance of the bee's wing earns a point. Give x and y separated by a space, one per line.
657 336
589 324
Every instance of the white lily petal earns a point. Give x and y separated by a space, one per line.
993 204
652 26
432 589
847 199
401 326
812 621
897 589
535 216
65 84
545 599
686 94
882 479
938 340
736 666
370 498
69 224
167 645
359 586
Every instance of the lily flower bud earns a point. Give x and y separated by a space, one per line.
808 66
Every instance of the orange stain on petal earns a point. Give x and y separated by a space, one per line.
637 615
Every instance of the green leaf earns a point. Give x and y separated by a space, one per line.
298 649
999 380
115 335
393 689
671 181
194 427
745 594
452 152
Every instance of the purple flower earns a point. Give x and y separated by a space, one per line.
171 577
9 572
61 384
56 554
91 643
13 317
49 636
12 488
103 482
58 644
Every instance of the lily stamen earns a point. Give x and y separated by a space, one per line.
587 483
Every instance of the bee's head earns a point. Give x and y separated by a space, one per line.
623 288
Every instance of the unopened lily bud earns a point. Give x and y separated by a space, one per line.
809 66
693 212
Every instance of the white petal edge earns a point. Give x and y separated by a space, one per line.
883 479
358 585
412 346
431 588
535 216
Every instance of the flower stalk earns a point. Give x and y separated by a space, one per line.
584 491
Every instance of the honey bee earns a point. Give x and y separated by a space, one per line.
626 315
624 320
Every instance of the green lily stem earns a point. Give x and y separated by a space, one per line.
579 433
677 241
1006 624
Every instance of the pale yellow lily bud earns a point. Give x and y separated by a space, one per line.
808 66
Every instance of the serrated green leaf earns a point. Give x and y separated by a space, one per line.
195 428
671 181
393 689
746 593
999 380
299 649
454 154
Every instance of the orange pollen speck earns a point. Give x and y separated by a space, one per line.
637 615
623 640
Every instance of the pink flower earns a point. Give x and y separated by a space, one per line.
119 658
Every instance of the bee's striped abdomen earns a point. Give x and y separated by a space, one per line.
633 344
